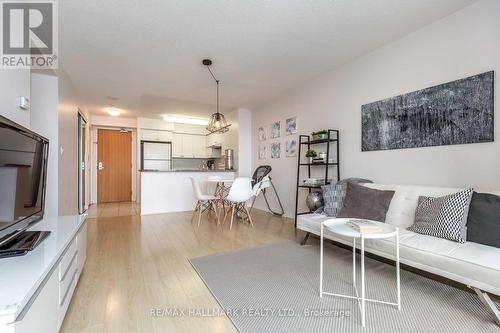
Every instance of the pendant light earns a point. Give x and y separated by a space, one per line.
217 122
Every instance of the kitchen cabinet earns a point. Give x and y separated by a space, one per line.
156 135
199 146
177 145
189 145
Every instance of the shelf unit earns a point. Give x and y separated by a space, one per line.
333 140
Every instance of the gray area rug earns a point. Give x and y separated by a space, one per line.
275 288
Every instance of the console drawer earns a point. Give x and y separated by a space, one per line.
65 284
67 259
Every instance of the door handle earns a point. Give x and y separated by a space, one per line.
100 166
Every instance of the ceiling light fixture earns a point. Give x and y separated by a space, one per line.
185 120
114 112
217 122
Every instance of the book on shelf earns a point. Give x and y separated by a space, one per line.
364 226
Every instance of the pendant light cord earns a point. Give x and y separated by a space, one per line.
217 82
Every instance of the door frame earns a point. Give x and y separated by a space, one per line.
86 200
93 163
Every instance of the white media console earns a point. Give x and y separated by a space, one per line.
36 289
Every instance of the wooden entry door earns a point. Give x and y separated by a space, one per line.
114 166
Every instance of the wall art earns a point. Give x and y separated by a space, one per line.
457 112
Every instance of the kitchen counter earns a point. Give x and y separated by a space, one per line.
172 191
188 170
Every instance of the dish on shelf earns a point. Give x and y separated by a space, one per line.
315 182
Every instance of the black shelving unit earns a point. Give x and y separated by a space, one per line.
333 140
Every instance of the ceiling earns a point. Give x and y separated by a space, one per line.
148 54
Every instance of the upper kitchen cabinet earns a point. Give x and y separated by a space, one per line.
199 146
177 145
156 135
189 146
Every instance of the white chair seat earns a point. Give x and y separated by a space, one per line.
205 197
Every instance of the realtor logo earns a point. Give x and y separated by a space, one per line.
29 34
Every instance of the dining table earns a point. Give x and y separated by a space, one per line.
222 187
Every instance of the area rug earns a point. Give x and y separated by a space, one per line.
275 288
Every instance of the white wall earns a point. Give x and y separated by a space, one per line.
460 45
96 120
44 120
245 143
69 105
14 84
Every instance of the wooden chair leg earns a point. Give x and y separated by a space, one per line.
248 214
214 208
194 211
225 214
199 216
232 216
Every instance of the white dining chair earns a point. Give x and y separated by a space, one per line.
204 202
240 192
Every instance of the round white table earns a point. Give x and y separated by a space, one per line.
340 227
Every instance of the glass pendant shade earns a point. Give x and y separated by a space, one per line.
217 123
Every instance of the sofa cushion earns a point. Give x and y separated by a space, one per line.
365 203
483 224
443 217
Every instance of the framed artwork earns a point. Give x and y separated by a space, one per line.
262 134
275 150
276 129
456 112
291 125
262 152
291 148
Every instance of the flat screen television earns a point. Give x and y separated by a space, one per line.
23 173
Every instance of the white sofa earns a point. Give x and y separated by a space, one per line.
472 264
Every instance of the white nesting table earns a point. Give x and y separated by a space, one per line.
340 227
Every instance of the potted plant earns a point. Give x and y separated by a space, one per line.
320 135
311 154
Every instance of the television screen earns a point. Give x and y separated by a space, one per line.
23 164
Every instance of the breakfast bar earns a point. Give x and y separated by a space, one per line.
171 191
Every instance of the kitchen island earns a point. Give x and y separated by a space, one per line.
171 191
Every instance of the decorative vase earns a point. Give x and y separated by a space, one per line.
310 160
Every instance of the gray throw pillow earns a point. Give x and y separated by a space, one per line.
362 202
483 222
333 196
443 217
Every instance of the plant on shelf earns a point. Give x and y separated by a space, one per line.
311 154
319 135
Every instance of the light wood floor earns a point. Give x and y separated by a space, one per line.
136 264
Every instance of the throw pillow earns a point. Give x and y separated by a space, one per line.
483 223
362 202
443 217
333 195
333 198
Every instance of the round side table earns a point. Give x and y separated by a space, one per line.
341 228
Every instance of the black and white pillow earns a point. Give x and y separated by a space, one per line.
443 217
333 197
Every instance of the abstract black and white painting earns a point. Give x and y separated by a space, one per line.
457 112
